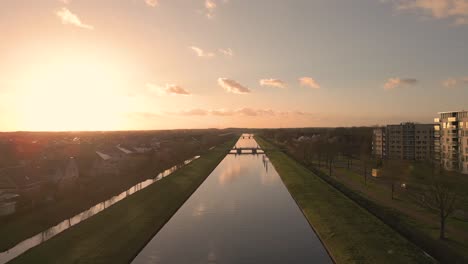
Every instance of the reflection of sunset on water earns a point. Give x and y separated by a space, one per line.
230 173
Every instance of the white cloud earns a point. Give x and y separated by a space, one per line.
210 6
244 111
461 21
310 82
68 18
152 3
227 52
194 112
273 82
169 89
452 82
222 112
233 86
438 9
393 83
202 53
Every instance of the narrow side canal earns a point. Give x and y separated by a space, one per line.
242 213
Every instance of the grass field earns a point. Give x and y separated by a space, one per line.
117 234
415 216
350 233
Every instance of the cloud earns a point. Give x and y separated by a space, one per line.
461 21
452 82
176 89
194 112
222 112
227 52
65 1
202 53
152 3
68 18
244 111
169 89
273 82
310 82
438 9
210 7
233 86
393 83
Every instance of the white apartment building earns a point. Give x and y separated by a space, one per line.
451 140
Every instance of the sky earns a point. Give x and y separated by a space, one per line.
165 64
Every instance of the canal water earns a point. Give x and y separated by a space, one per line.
242 213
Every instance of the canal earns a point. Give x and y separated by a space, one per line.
242 213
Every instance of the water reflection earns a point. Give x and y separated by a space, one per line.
242 213
64 225
233 170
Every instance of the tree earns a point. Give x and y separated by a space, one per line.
318 148
365 159
302 150
395 171
331 151
440 195
347 149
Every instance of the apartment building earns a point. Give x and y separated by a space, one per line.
451 132
379 143
406 141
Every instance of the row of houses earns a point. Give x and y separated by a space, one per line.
113 160
29 182
42 179
446 141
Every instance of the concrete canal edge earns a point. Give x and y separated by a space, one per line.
119 233
349 233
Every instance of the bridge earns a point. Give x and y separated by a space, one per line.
242 150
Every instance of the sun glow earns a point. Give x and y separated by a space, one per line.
71 93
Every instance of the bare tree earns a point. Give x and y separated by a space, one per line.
346 152
332 151
440 195
318 148
365 159
395 171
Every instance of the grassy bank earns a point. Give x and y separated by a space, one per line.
26 224
117 234
86 192
351 234
414 222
